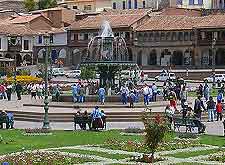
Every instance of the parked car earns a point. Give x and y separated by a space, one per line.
73 74
218 78
165 77
58 72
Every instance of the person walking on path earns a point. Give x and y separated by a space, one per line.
219 110
211 107
33 91
101 94
18 91
82 91
9 91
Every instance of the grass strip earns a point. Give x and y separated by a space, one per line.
97 153
194 153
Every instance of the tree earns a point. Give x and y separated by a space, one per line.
45 4
30 5
87 73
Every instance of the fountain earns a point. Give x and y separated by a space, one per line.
109 55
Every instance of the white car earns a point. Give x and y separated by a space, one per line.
58 72
126 74
218 78
165 77
73 74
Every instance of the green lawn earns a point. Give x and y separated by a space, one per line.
194 153
13 140
213 140
97 153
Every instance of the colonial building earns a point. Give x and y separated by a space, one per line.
123 23
192 4
155 39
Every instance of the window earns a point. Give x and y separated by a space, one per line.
40 39
163 36
151 37
86 36
87 7
168 36
0 43
180 36
143 3
26 44
51 39
114 5
186 36
75 36
124 5
129 4
127 35
157 36
179 2
74 7
135 4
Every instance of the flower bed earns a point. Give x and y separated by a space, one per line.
220 156
43 157
24 79
146 159
136 146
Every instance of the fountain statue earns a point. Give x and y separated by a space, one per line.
108 53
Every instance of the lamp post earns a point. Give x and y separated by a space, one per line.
46 107
213 61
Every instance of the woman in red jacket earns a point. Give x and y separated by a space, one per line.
219 110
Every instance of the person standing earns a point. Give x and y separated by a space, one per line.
9 91
142 76
183 96
219 110
82 90
210 108
124 91
33 91
206 92
154 92
18 91
75 93
132 98
101 94
173 99
146 94
198 107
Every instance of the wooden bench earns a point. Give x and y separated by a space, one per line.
188 123
79 120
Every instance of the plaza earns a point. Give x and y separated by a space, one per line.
139 82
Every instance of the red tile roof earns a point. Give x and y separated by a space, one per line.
116 21
159 23
212 21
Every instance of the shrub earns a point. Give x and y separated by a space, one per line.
155 131
133 130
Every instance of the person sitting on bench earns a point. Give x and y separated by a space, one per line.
10 119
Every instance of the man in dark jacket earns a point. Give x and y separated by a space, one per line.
18 91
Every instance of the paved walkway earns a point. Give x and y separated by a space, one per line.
215 128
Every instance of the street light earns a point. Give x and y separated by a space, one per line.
46 107
213 61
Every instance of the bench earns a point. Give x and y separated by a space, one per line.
4 119
189 123
79 120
